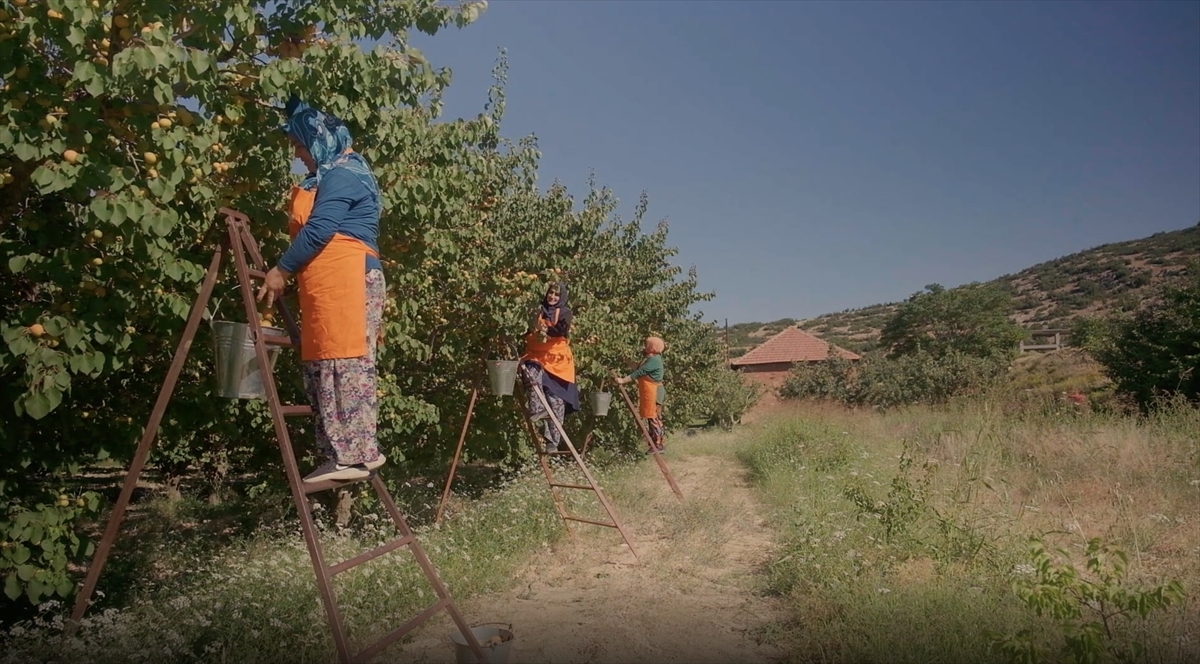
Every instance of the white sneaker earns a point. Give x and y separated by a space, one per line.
372 465
332 470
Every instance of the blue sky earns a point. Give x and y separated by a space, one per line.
812 157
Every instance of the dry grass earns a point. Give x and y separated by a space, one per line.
996 478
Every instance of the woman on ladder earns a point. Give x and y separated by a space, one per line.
651 393
334 226
549 365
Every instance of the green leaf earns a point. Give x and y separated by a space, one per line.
199 63
12 586
161 55
158 187
49 179
26 151
100 208
25 572
20 554
76 37
53 396
95 87
160 223
97 359
81 363
72 335
64 588
144 58
119 214
35 590
54 325
37 405
17 263
84 71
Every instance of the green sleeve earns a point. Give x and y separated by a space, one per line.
652 367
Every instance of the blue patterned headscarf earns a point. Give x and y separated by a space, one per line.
329 142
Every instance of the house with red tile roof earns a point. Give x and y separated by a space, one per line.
771 361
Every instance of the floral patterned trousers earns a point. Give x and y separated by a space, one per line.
532 375
342 392
654 425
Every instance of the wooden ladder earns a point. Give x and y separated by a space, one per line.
658 457
543 460
239 243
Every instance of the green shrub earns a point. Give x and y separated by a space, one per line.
1093 611
893 381
1155 352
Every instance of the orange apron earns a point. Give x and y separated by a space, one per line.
647 397
554 355
333 291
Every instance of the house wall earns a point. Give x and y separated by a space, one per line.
770 375
770 367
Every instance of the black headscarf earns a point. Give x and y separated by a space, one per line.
558 317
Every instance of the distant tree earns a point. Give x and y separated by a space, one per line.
1156 351
972 320
1092 335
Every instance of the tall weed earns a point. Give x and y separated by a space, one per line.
909 549
244 601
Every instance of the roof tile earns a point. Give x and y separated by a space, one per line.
791 345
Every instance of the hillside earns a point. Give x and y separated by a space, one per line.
1107 278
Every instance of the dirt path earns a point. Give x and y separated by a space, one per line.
689 599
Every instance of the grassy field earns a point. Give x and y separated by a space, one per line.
188 591
904 536
888 537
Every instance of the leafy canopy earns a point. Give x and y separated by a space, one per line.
971 320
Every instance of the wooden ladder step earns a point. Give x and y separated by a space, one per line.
574 486
257 274
277 340
594 523
316 487
296 411
382 644
370 555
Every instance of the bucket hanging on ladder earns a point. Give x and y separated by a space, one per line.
502 376
600 402
238 375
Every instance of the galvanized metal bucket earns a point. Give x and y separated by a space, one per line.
600 403
496 639
238 375
502 376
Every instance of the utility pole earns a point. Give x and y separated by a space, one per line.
727 342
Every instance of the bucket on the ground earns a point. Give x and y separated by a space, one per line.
600 403
502 375
238 375
495 638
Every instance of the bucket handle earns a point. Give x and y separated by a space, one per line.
488 624
216 306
